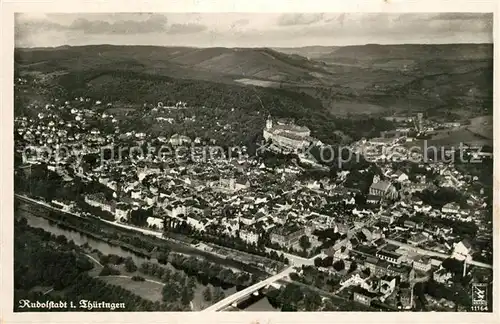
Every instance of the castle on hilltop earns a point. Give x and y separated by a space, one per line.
286 136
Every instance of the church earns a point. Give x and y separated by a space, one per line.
382 189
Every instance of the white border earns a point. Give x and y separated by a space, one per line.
6 141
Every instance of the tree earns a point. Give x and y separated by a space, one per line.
103 259
453 265
107 271
186 296
329 306
291 295
328 261
312 300
207 294
353 266
288 308
130 265
318 262
304 242
163 257
339 265
218 294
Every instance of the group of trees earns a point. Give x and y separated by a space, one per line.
320 279
328 237
323 262
139 217
211 272
213 295
227 241
179 292
456 267
304 242
114 259
178 289
44 259
437 199
179 286
109 271
293 297
457 293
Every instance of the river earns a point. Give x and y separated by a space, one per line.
105 248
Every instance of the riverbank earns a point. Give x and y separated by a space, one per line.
114 234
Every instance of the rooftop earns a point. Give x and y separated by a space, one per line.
381 185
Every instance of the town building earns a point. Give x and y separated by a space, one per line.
286 235
422 263
233 184
390 256
417 239
450 208
122 211
363 296
99 200
249 236
155 222
178 140
462 250
387 285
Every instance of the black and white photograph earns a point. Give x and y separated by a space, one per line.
253 162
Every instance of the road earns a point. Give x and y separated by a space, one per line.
93 259
294 259
129 277
247 291
44 204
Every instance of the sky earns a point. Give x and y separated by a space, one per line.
250 29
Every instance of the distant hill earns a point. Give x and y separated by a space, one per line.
371 79
374 52
312 52
182 62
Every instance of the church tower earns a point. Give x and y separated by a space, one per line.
269 122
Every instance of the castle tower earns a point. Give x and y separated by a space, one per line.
269 122
420 121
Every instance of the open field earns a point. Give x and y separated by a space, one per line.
346 107
482 126
259 83
452 138
145 289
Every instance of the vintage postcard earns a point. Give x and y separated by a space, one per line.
249 162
